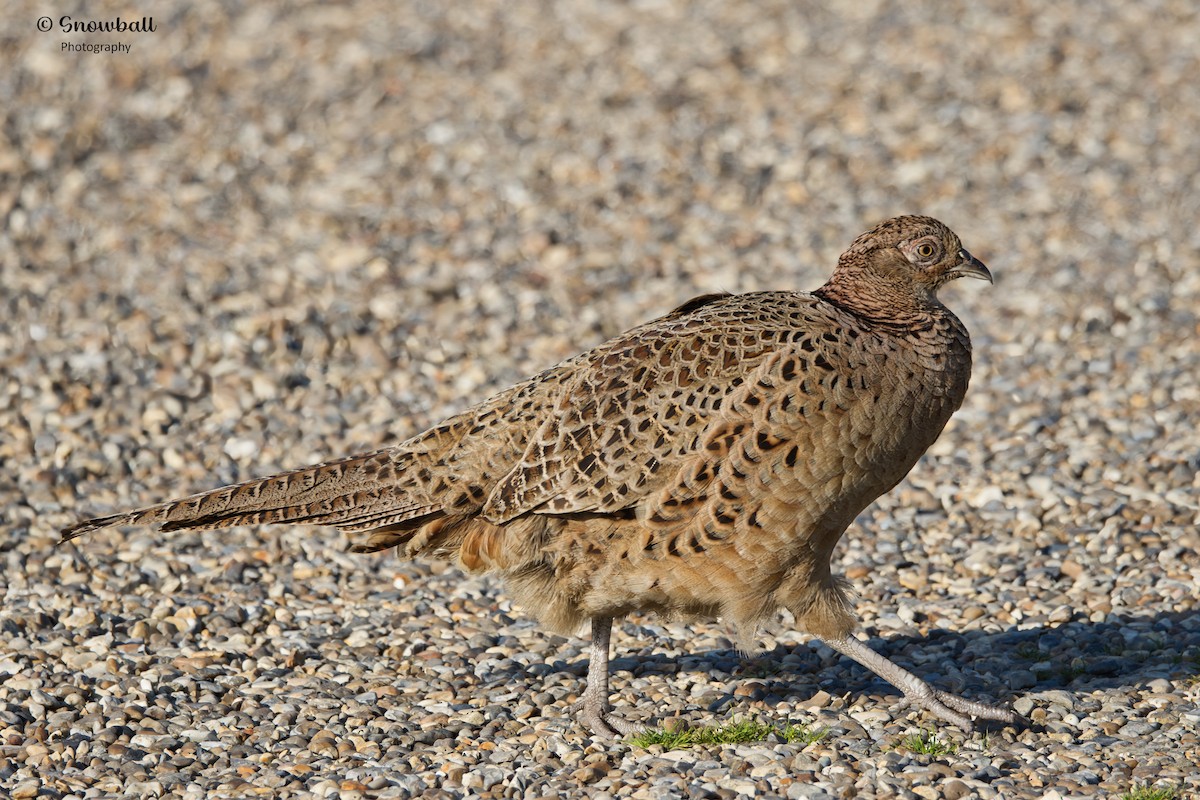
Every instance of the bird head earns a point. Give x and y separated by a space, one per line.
912 253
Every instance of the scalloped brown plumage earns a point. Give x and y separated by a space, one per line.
702 464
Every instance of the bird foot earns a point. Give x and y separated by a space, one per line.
595 714
957 710
604 723
943 705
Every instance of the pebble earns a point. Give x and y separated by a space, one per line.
266 237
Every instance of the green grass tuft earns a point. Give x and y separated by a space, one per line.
737 731
1152 793
927 743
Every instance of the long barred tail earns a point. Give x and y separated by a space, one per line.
355 494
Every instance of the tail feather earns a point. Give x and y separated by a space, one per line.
354 493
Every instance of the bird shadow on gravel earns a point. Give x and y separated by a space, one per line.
1076 657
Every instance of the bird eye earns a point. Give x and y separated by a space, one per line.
925 250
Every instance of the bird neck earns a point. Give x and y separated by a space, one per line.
882 301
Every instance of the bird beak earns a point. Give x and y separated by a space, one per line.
970 266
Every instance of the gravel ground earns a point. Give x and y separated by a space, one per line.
266 237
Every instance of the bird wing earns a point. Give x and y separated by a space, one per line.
637 407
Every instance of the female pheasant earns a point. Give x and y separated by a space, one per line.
702 464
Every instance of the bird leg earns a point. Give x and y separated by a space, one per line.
943 705
594 709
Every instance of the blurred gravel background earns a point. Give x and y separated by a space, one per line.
271 235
